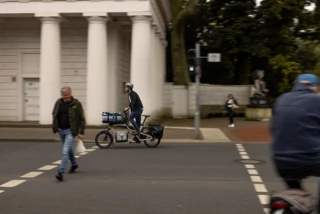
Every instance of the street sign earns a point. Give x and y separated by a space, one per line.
214 57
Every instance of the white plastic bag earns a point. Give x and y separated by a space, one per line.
79 147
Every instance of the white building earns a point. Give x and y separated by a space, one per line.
92 46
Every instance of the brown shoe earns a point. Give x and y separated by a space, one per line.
135 132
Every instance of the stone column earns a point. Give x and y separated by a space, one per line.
140 60
153 72
162 70
97 70
50 67
157 75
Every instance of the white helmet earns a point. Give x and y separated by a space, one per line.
129 84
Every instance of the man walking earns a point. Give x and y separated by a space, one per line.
69 122
136 107
295 130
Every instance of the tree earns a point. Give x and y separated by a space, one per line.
182 11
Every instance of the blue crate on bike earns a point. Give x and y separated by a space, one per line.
111 117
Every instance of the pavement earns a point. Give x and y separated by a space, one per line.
213 130
170 179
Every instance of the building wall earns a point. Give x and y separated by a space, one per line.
123 70
210 95
20 35
74 56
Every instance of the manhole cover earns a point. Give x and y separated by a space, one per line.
249 161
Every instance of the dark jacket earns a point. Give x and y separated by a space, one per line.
295 128
76 117
226 104
135 103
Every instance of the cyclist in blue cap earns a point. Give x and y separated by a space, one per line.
295 129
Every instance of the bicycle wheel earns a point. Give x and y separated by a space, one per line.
153 143
104 139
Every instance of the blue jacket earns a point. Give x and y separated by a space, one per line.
295 128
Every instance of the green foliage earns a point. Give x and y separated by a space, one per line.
279 37
286 72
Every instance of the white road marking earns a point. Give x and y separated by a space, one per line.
264 199
83 153
48 167
253 172
77 156
13 183
31 174
260 188
266 210
90 150
256 179
57 162
95 147
1 191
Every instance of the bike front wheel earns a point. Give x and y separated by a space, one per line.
104 139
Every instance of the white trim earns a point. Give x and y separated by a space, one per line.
52 8
20 80
104 14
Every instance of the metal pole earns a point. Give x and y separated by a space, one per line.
197 77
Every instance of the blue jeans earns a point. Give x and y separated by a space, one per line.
231 115
67 152
135 119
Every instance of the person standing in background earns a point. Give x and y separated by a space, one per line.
230 105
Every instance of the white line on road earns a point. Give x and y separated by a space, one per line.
84 153
256 179
253 172
48 167
57 162
90 150
31 175
95 147
13 183
1 191
260 188
264 199
266 210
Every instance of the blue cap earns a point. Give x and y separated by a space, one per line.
313 79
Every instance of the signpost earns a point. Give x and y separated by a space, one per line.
212 57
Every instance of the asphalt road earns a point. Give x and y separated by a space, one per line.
133 179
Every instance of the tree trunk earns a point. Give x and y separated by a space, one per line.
179 58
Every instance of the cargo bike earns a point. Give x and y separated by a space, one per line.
118 129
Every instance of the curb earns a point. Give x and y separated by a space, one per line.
42 126
55 140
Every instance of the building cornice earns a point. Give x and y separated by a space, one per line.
76 7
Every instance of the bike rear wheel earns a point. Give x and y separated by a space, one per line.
104 139
153 143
